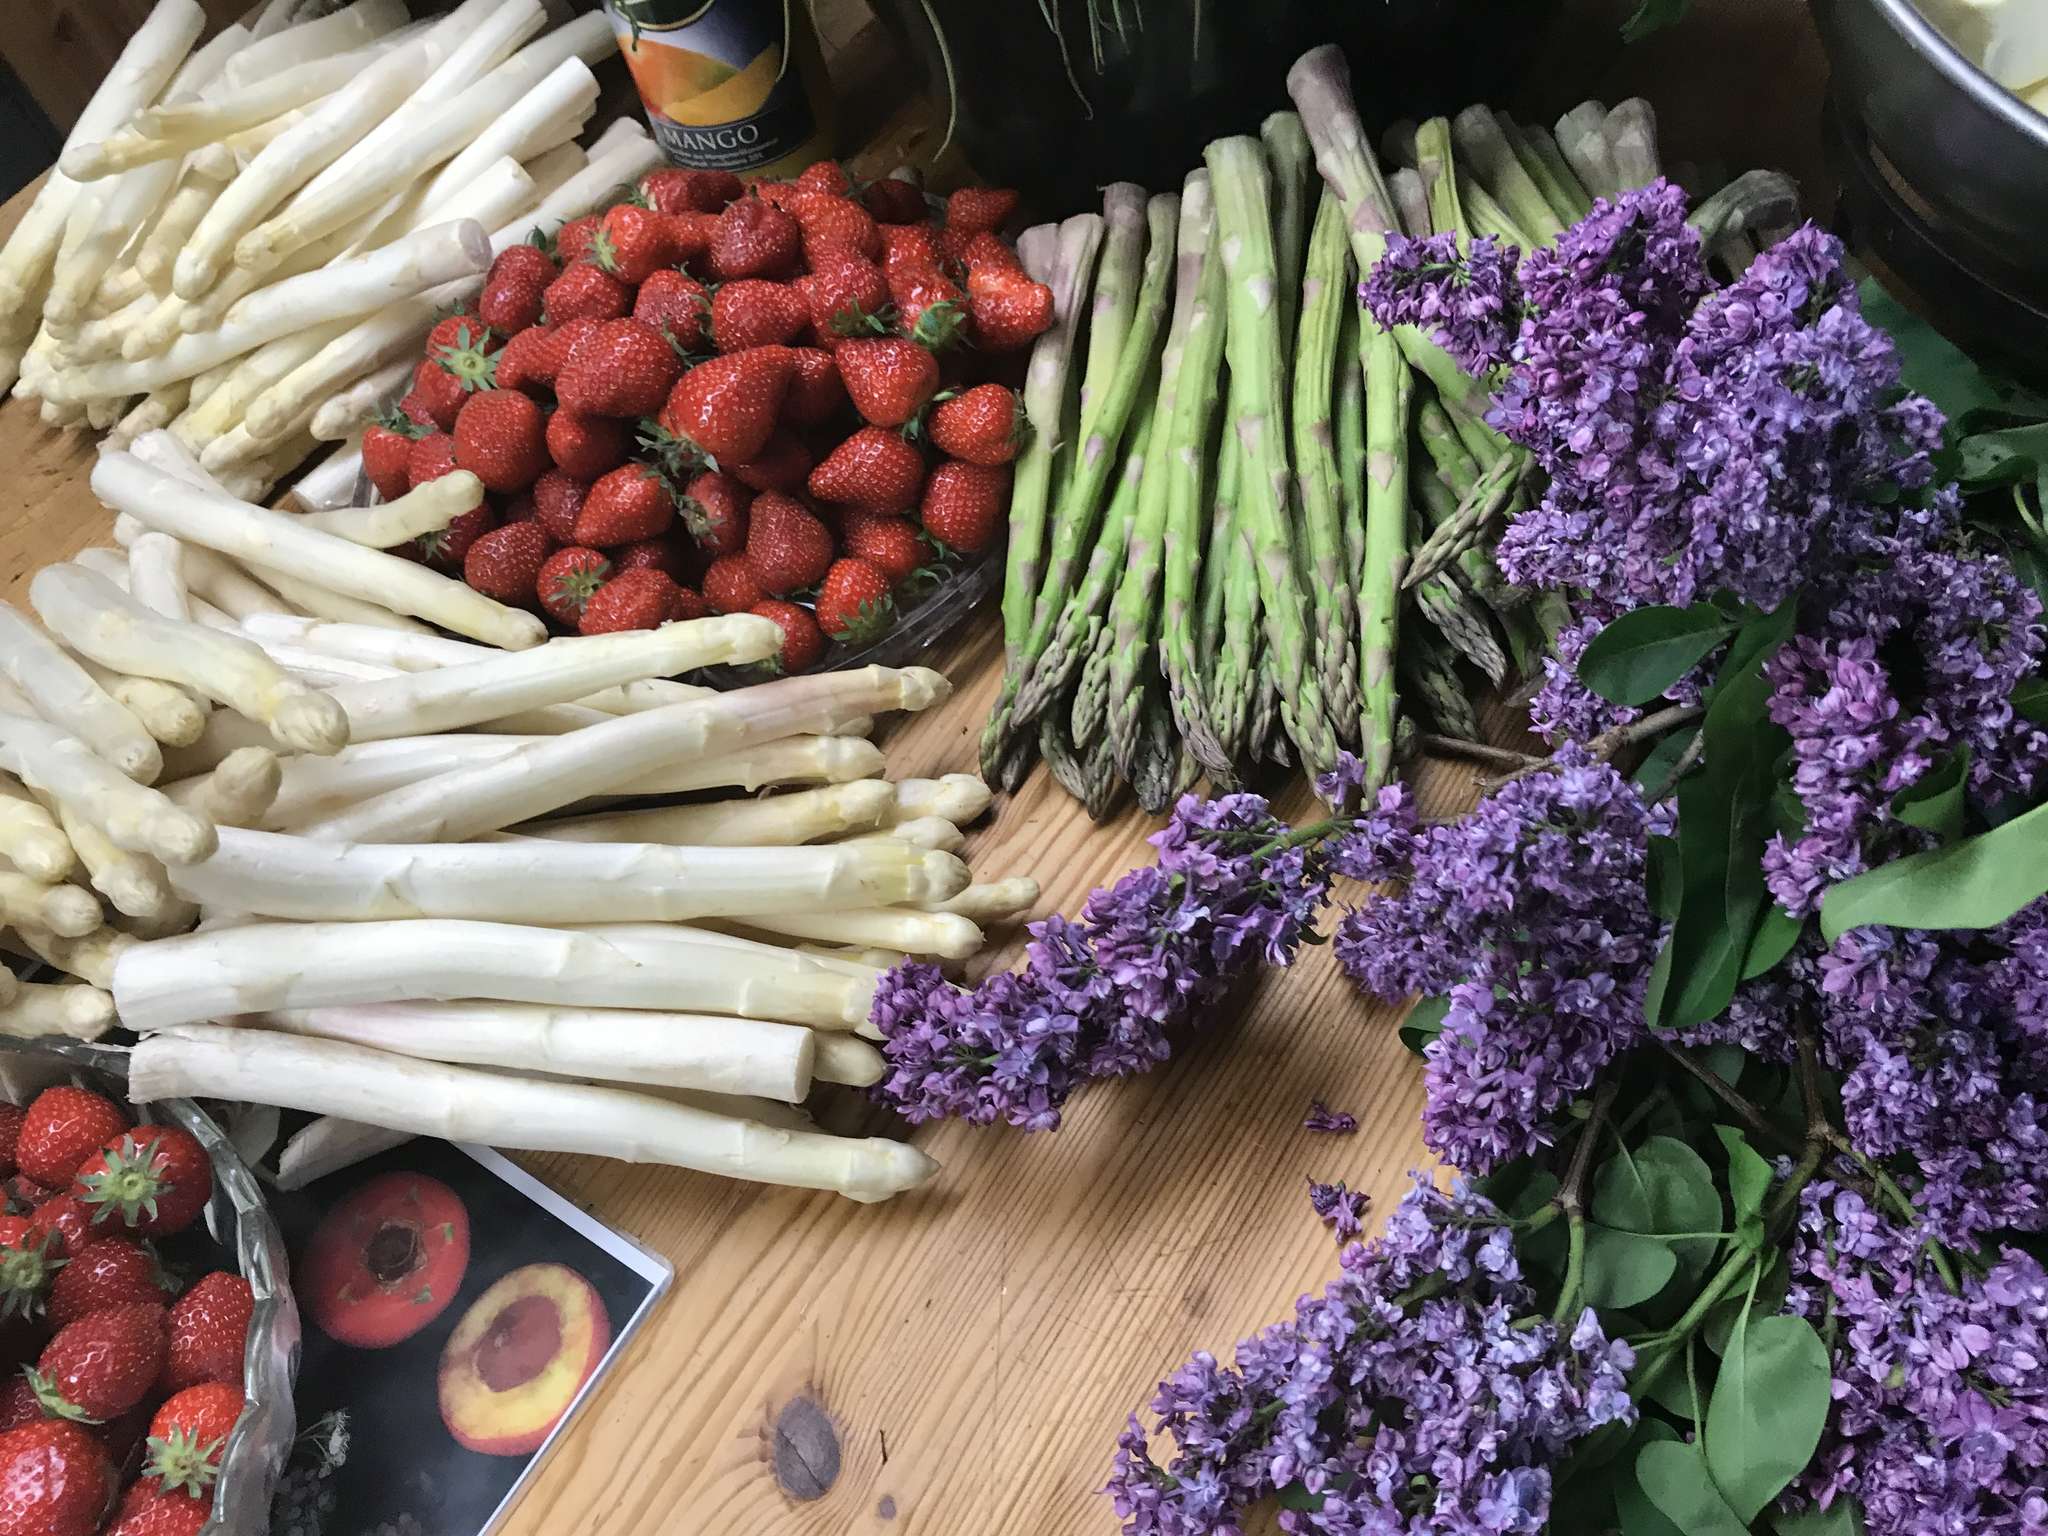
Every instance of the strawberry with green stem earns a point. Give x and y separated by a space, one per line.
638 599
965 505
888 378
55 1480
890 544
854 605
676 305
984 425
567 581
445 548
632 243
153 1180
387 447
754 238
714 509
62 1127
188 1435
29 1261
585 291
727 407
803 643
102 1365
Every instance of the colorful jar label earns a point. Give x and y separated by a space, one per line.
711 76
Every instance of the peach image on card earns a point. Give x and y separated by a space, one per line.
519 1356
384 1262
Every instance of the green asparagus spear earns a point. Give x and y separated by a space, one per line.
1293 165
1232 678
1327 567
1484 149
1160 755
1191 586
1547 167
1487 216
1349 407
1461 619
1430 676
1242 187
1162 548
1454 465
1115 304
1411 202
1437 165
1388 391
1491 498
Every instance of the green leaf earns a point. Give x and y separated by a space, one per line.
1662 1187
1655 770
1936 803
2031 699
1674 1478
1661 874
1978 882
1639 1517
1424 1023
1932 365
1844 1517
1749 1181
2010 456
1296 1496
1652 16
1719 1324
1767 1409
1622 1269
1640 655
1776 932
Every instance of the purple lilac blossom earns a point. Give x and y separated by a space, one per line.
1940 1418
1102 997
1333 1123
1469 304
1340 1209
1487 1408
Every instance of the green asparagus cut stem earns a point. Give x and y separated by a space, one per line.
1485 151
1411 202
1242 188
1491 498
1547 167
1232 677
1586 149
1164 536
1293 164
1754 200
1488 217
1437 165
1327 566
1430 676
1630 129
1348 406
1388 391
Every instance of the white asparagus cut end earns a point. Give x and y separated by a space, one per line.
57 1008
1580 134
52 762
63 693
547 775
847 1059
103 622
328 1144
530 880
331 484
676 1050
363 284
426 703
425 509
273 539
261 966
30 838
776 821
958 797
90 959
170 715
238 793
993 902
351 406
156 576
64 910
462 1104
943 934
924 831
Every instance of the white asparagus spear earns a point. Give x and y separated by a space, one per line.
345 411
90 959
621 1045
65 1008
64 910
156 576
225 586
1630 129
103 622
102 336
256 534
30 838
778 820
62 692
136 884
925 831
548 775
331 484
522 129
994 901
170 715
533 881
463 1104
327 1144
323 602
424 509
362 285
314 787
426 703
350 26
1580 136
262 966
847 1059
238 793
943 934
51 761
181 214
958 797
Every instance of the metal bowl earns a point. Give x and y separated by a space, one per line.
1971 157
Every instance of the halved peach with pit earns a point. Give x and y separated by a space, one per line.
519 1356
386 1261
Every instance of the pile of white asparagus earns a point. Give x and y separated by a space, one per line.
320 855
247 241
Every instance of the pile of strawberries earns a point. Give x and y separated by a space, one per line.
123 1392
729 399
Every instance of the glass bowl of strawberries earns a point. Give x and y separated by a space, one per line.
798 399
150 1333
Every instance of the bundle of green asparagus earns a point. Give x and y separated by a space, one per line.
1250 525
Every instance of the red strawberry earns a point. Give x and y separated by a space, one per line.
567 580
209 1332
714 506
535 357
783 464
730 585
446 548
689 237
779 193
847 296
911 246
586 291
987 250
147 1509
501 439
437 391
624 368
155 1180
62 1128
826 176
887 378
874 470
19 1404
755 239
61 1226
24 1193
505 563
632 242
802 641
833 224
727 406
787 547
55 1480
689 605
572 240
103 1364
513 288
431 457
557 503
107 1273
854 603
964 505
188 1434
1008 308
974 209
413 407
929 305
815 389
387 446
675 191
27 1260
754 313
893 201
650 555
983 425
675 304
631 502
630 600
586 446
889 544
463 347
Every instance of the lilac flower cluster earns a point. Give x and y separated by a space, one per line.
1469 302
1530 916
1435 1317
1940 1419
1340 1209
1103 997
